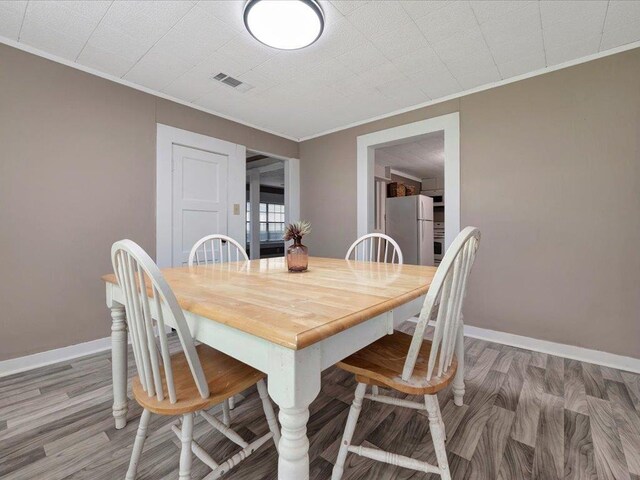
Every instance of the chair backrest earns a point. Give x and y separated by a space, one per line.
216 249
446 294
375 247
148 302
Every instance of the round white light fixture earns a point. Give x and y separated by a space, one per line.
284 24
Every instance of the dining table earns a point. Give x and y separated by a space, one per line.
291 326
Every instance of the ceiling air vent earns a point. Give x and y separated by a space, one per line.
232 82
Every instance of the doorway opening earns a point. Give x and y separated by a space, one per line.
436 143
409 186
272 201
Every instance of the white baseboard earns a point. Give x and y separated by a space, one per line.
29 362
559 349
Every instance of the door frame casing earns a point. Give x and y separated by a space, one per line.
166 138
366 145
291 188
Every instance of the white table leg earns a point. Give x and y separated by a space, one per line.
458 380
119 364
294 382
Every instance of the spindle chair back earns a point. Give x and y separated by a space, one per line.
375 247
216 248
446 295
138 276
165 383
413 365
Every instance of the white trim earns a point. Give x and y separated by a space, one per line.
291 184
135 86
42 359
167 136
488 86
450 124
98 73
405 175
588 355
620 362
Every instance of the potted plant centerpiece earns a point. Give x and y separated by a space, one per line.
297 254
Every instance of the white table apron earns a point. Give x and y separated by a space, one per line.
293 375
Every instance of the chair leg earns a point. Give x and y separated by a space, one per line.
232 403
185 452
375 390
226 413
268 412
437 435
458 380
141 436
349 428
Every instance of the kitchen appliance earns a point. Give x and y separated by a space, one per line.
438 242
409 221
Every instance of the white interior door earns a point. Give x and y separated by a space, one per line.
199 203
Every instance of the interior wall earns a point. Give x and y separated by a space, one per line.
550 173
78 173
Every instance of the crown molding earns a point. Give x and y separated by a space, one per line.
106 76
488 86
135 86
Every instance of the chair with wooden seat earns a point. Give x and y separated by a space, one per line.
375 247
186 383
413 365
218 248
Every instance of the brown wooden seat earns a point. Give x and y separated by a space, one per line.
381 364
225 375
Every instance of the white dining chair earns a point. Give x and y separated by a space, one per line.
186 383
375 247
413 365
218 248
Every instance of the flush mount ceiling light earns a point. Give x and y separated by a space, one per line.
284 24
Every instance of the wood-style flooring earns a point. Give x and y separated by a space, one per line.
526 416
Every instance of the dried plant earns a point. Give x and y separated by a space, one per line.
296 230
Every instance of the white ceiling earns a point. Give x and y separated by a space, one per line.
375 57
422 158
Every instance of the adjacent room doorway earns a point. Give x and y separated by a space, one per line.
449 125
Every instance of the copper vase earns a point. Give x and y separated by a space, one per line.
297 256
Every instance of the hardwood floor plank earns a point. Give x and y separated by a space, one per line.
503 362
609 373
610 458
509 394
539 359
548 460
632 381
525 425
517 461
575 396
579 463
72 435
593 381
463 443
488 454
554 376
628 422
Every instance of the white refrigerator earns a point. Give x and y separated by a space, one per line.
409 221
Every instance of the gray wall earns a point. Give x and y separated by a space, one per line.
550 172
77 173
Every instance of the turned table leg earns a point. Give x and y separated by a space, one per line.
294 382
119 364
